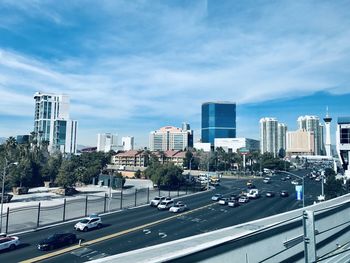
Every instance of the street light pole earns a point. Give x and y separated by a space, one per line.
2 192
6 164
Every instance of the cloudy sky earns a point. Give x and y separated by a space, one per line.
131 67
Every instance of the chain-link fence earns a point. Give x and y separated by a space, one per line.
32 217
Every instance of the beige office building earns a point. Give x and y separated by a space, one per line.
171 138
300 142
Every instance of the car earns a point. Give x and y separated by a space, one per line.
270 194
284 193
57 240
93 221
267 180
9 242
288 177
233 203
178 207
253 193
223 201
234 197
165 205
249 183
318 179
216 197
7 198
157 200
251 186
283 179
295 182
243 199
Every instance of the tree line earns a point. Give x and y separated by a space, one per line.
34 165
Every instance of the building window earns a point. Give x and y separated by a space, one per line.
345 135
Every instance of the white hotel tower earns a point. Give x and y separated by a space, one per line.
52 122
327 121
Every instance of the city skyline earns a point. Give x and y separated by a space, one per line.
129 66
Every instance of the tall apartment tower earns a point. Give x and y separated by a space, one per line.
170 138
128 143
106 142
52 122
343 144
327 120
312 123
269 135
281 136
218 121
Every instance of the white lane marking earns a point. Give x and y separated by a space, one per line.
147 231
162 235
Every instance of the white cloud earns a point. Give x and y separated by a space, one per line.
157 61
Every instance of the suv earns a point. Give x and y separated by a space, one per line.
165 205
93 221
157 200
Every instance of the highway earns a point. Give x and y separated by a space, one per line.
145 226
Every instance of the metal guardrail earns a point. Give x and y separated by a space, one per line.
312 234
32 217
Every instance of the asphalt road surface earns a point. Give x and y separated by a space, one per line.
146 226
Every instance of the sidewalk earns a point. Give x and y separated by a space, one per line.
46 196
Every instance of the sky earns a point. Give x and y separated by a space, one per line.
131 67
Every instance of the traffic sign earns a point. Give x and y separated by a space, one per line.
299 190
243 151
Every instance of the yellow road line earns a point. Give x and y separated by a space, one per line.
101 239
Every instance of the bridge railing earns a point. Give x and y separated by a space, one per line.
303 235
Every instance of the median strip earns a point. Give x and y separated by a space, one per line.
111 236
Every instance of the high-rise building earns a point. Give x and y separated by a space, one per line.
128 143
170 138
300 142
52 122
218 121
281 136
106 142
343 143
312 123
269 135
327 121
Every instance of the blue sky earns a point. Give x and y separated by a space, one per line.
131 67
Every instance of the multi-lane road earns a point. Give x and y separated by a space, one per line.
145 226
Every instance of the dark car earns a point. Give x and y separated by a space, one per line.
270 194
57 240
284 193
234 197
7 198
251 186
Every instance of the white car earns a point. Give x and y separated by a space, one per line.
9 242
267 180
157 200
178 207
216 197
87 223
243 199
165 205
295 182
223 201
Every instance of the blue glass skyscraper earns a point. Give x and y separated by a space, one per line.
218 121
